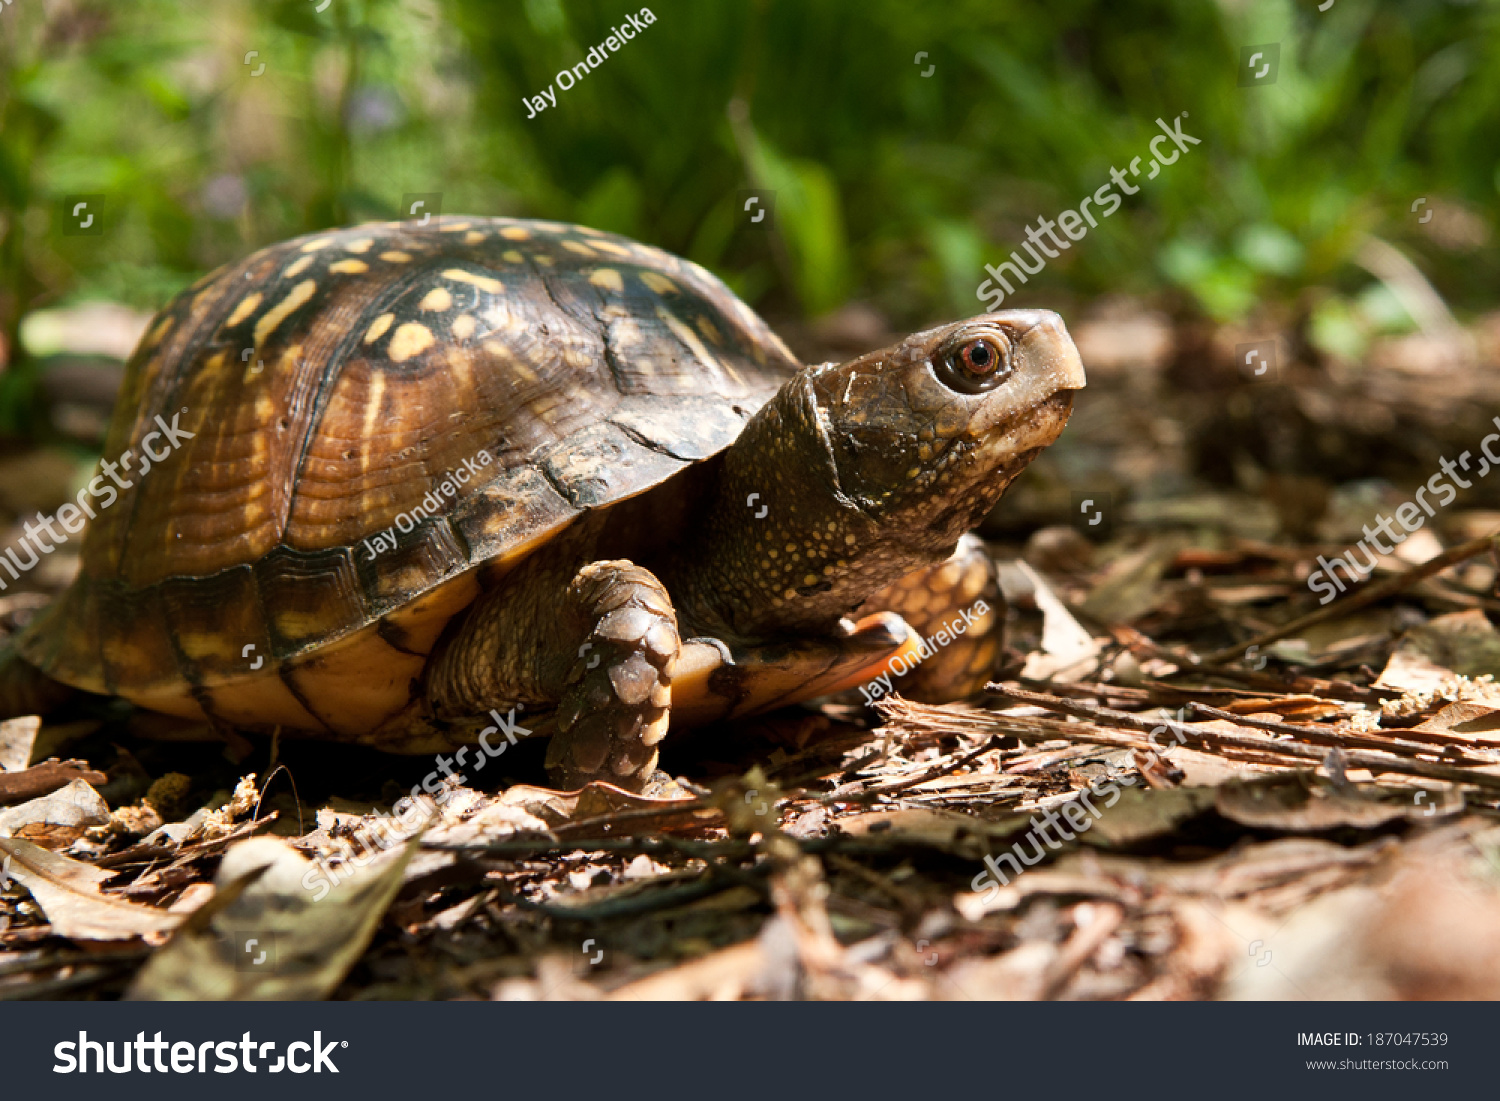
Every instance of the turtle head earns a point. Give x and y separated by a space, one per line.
873 468
923 437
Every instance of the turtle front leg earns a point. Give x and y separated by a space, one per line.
617 701
600 645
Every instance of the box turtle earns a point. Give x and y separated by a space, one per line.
426 474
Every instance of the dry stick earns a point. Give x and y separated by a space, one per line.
1368 595
1345 739
922 778
44 779
1244 739
1258 683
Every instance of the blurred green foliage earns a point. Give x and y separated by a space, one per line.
891 187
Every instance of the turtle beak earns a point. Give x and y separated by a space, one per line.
1045 350
1031 407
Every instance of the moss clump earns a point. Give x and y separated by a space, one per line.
168 796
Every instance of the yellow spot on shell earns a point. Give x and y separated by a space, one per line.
319 243
410 339
436 299
473 237
515 233
579 247
153 338
378 327
463 326
607 277
373 406
297 267
483 282
810 579
611 248
396 256
362 245
456 227
512 255
706 327
659 283
244 309
689 338
278 313
545 261
349 267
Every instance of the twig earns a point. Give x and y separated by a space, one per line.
1244 739
634 905
1343 739
922 778
1367 595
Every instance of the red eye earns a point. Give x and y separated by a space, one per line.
974 364
979 357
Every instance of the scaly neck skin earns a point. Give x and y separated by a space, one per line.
811 558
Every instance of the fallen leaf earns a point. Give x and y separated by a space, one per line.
1465 643
17 740
1131 585
1068 651
68 893
76 805
962 834
1467 718
1140 814
276 929
1302 708
42 779
1307 804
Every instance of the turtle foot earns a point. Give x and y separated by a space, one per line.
617 704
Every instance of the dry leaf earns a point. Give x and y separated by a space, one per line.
1140 814
276 930
43 779
1068 651
76 805
1296 708
68 893
17 740
962 834
1304 803
1131 585
1463 643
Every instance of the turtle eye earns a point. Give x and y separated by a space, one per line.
975 364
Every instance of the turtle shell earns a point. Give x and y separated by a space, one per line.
463 389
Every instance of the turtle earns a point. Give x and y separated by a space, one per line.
422 477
